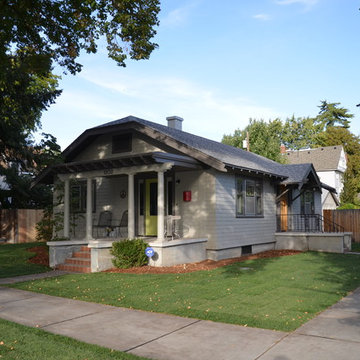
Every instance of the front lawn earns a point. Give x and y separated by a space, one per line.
14 260
22 342
274 293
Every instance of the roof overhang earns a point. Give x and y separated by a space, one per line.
252 172
108 164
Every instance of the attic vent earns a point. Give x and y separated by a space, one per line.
121 143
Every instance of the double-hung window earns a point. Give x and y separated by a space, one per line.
249 194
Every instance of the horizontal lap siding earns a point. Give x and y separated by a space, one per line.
197 215
235 232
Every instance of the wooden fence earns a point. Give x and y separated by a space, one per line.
348 219
18 226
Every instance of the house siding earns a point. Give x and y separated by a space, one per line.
197 215
101 148
233 232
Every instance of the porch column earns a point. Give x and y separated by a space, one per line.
66 207
161 207
131 207
88 209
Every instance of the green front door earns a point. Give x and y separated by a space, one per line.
151 209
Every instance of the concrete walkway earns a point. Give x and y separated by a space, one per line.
333 335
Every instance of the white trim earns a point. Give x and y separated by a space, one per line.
161 207
131 207
66 207
119 171
89 208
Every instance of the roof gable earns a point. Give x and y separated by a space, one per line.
323 158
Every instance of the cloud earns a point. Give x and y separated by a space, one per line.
179 16
154 97
263 17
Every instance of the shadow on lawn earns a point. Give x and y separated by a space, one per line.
344 269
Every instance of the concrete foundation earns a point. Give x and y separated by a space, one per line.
101 259
327 242
221 254
168 253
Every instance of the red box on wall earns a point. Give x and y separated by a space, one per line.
187 195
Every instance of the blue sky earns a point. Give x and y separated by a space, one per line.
220 63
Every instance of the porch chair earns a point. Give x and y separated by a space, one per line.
104 223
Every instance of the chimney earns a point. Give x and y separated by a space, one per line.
175 122
282 149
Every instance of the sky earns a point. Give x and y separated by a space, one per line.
220 63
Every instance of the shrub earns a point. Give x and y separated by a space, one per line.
129 253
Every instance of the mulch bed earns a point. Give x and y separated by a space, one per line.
203 265
41 257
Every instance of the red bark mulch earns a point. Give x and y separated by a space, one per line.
203 265
41 257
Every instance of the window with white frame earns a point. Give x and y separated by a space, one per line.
249 194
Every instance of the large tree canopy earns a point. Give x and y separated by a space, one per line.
58 30
37 34
264 138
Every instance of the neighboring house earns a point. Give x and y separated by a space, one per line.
330 165
225 201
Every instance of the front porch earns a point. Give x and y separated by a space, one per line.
167 253
310 232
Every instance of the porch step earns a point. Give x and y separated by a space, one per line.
84 253
79 262
74 268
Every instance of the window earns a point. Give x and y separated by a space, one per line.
307 202
78 197
121 143
249 197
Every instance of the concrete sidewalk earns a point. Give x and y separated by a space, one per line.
333 335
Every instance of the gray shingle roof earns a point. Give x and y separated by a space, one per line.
229 155
323 158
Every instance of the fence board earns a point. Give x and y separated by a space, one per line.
18 225
349 219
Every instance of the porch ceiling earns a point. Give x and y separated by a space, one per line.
115 163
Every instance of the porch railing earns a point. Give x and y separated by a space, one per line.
306 223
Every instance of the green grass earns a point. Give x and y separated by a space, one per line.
14 260
355 247
22 342
278 293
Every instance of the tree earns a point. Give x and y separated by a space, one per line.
34 36
331 115
57 30
265 138
299 133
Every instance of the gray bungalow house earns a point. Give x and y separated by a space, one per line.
191 198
